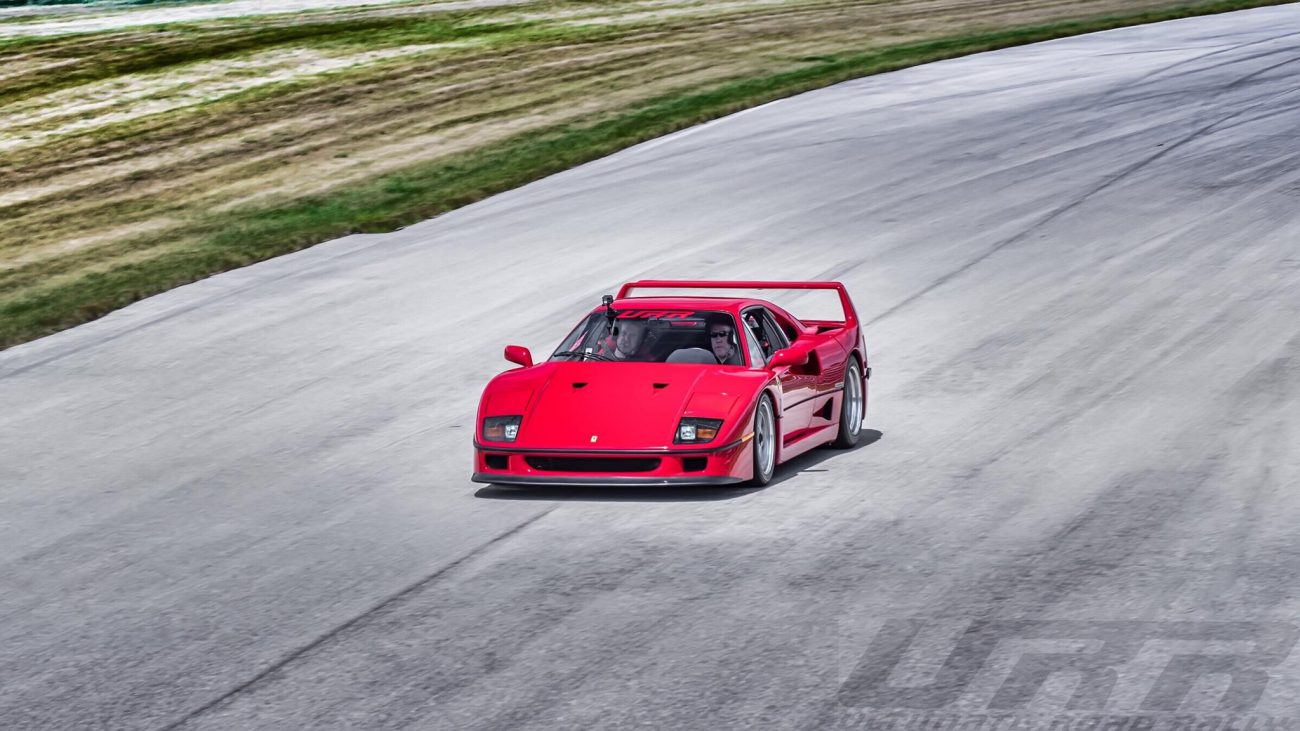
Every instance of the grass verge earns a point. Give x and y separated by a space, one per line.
214 243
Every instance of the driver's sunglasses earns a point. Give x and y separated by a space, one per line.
720 334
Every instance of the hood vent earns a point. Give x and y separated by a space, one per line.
660 385
579 384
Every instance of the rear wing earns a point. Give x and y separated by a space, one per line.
832 311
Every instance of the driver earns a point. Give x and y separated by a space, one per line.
627 344
722 341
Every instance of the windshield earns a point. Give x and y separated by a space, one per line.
655 336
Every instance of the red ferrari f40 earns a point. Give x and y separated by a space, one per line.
679 382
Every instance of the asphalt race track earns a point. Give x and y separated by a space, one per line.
246 503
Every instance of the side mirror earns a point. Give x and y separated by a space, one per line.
519 354
795 355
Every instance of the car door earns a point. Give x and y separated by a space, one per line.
825 370
798 390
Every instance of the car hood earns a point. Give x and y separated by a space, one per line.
607 406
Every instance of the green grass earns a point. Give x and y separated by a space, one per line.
215 243
178 44
106 3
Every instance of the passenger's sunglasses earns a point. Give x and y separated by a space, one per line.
723 334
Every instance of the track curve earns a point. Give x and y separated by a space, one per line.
245 504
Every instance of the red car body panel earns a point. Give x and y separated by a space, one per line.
584 421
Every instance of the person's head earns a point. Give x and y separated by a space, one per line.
722 337
630 335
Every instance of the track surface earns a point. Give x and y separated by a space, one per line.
245 504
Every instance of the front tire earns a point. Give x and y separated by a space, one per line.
851 410
765 437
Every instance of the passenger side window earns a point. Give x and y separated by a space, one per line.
756 357
754 325
787 328
777 335
764 333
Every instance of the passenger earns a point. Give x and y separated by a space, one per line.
722 340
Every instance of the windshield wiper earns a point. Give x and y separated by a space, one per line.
582 355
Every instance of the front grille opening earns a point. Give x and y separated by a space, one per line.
593 464
496 461
694 464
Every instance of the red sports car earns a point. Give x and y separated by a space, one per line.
681 386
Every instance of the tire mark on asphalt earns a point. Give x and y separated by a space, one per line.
1027 231
1221 123
714 572
1269 386
1131 511
1135 509
1230 49
1217 67
548 600
838 271
1197 337
338 630
1276 111
1245 80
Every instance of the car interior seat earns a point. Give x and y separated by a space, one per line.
691 355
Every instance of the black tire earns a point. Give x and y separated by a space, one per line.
764 452
852 410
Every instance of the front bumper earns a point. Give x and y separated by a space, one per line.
507 465
497 478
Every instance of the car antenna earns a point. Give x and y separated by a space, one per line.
610 313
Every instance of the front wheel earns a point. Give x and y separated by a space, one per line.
764 442
851 409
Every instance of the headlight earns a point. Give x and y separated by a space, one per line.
693 431
501 428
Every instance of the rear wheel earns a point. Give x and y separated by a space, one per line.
851 409
764 441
